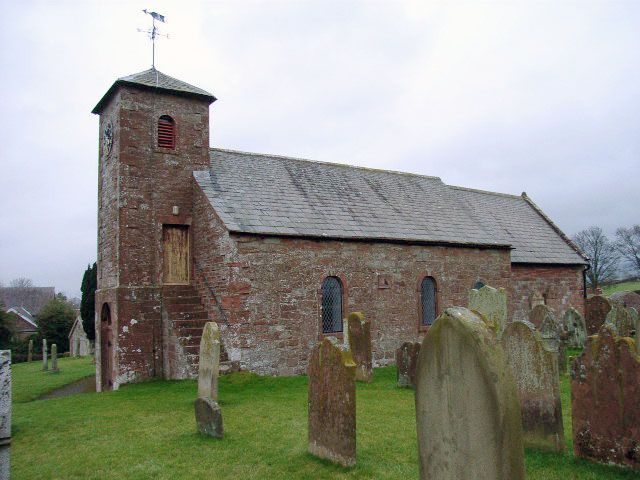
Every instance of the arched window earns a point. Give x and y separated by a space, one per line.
331 305
428 298
166 132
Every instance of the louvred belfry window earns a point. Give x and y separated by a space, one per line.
166 132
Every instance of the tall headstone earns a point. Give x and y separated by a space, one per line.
492 303
576 328
45 355
30 351
5 414
406 363
605 394
358 341
54 357
596 309
207 410
332 403
467 406
536 373
551 335
622 319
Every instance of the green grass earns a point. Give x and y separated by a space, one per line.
148 431
30 381
620 287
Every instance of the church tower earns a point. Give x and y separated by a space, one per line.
154 132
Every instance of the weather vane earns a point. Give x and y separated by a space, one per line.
153 33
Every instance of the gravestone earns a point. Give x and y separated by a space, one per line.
626 299
539 313
45 355
358 341
207 410
332 403
5 413
406 363
536 373
551 336
622 319
605 394
209 362
30 351
535 299
54 357
596 309
492 303
467 406
576 328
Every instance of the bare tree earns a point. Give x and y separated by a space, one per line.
602 253
628 244
21 282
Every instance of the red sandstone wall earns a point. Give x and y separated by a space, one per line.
562 286
269 288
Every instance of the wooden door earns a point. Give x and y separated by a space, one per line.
106 348
175 245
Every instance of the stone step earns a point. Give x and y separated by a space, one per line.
200 315
181 300
183 308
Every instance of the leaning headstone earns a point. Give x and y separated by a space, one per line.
45 355
492 303
406 363
30 351
358 341
575 327
622 319
596 309
332 403
467 406
54 357
535 370
605 394
5 413
209 362
208 413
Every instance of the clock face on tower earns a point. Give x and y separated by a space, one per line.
107 138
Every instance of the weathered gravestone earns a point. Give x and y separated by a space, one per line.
536 372
492 303
622 319
535 299
54 357
539 313
406 363
45 355
551 334
467 406
332 403
605 395
626 299
576 328
30 351
5 413
358 341
207 410
596 309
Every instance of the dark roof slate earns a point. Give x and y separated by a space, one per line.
154 79
273 195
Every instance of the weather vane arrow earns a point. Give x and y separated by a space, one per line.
153 33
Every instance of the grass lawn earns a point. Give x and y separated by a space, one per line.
148 431
621 287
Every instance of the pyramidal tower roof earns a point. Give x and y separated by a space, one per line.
153 79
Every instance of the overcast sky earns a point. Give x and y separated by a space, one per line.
504 96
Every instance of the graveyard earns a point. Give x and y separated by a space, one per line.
148 430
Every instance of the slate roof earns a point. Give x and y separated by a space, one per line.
274 195
31 298
154 79
24 314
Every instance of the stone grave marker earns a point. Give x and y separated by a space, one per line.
45 355
5 414
406 363
550 333
332 403
492 303
539 313
30 351
536 373
207 410
358 341
209 417
596 309
626 299
576 328
467 406
54 357
605 395
622 319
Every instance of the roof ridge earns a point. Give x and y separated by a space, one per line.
486 192
321 162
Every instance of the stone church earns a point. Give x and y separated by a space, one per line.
278 250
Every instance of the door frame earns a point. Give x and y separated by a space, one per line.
186 226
